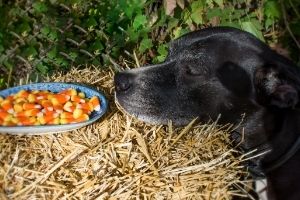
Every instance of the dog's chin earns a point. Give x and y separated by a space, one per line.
147 115
156 120
136 113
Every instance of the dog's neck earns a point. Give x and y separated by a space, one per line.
282 163
271 138
283 140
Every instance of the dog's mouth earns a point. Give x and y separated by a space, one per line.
137 110
151 114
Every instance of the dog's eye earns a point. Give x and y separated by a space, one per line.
191 72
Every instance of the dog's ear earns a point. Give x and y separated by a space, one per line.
277 86
234 78
284 96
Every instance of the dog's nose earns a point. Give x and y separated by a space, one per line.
122 81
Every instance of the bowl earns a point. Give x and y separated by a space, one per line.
55 87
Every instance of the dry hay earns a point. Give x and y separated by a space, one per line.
121 158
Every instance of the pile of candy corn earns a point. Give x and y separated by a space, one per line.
28 108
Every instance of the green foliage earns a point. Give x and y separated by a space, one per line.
291 9
272 12
56 34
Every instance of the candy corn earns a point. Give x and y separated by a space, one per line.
42 95
77 113
26 121
5 116
20 100
47 105
59 99
66 120
14 120
66 115
47 118
48 112
54 121
28 113
7 106
69 92
77 99
22 94
58 108
69 107
10 98
95 102
31 98
29 106
8 123
82 118
85 106
32 108
18 107
81 95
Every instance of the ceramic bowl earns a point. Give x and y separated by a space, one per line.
55 87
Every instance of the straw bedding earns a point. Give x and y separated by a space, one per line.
119 157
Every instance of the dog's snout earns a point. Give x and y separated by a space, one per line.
123 81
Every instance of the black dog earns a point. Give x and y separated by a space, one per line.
229 72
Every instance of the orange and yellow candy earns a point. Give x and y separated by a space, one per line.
31 108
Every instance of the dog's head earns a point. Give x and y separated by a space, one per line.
206 73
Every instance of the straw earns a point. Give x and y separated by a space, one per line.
119 157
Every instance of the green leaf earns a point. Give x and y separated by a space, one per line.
238 13
115 51
269 22
24 27
173 22
214 12
162 50
186 15
2 83
231 24
40 7
52 54
42 68
8 64
1 48
139 20
128 9
160 58
133 35
73 55
97 45
272 9
131 7
251 28
257 24
91 22
30 52
145 44
61 61
45 30
53 35
162 19
220 3
179 31
197 11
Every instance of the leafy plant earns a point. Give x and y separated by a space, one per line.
39 37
